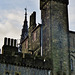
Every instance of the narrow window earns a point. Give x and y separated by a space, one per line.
7 73
26 43
49 72
17 74
71 65
58 73
64 73
73 42
34 36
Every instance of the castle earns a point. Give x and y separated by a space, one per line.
46 49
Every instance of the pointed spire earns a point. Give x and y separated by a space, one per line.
25 27
25 14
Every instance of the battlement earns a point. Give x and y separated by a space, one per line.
28 61
13 57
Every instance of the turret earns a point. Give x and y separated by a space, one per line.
54 15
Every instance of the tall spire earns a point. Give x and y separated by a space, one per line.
25 14
25 28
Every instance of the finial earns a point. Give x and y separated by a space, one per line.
25 14
25 11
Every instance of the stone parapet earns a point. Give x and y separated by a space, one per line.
28 61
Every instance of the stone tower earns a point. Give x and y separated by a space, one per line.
25 28
31 27
54 15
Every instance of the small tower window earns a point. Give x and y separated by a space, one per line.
26 43
58 73
34 36
73 42
71 65
17 73
64 73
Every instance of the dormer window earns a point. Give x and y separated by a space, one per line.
34 36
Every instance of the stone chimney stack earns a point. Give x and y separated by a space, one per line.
8 41
10 47
5 41
33 20
15 43
11 42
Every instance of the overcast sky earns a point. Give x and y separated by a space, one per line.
12 16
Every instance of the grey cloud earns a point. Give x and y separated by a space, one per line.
10 25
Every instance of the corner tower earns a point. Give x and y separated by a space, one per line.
25 28
54 15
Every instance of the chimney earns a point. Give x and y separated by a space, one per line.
15 42
5 41
33 20
11 42
8 41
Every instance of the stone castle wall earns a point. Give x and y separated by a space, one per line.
18 70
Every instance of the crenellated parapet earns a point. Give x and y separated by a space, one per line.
11 56
28 61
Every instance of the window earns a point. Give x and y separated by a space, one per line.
34 36
17 74
64 73
26 43
73 42
7 73
71 65
58 73
49 72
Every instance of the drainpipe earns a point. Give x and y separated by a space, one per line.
41 41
